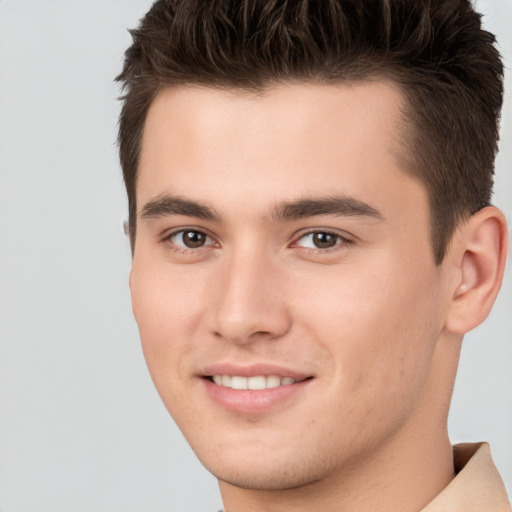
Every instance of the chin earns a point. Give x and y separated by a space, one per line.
278 480
271 475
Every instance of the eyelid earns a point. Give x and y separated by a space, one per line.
169 234
345 239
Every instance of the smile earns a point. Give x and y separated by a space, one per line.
254 394
255 383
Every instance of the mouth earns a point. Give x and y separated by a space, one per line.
254 390
254 383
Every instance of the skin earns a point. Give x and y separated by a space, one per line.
372 322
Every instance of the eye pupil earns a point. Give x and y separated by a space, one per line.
324 240
193 239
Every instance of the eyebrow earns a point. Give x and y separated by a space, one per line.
336 205
166 204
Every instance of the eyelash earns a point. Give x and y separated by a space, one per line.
342 241
186 250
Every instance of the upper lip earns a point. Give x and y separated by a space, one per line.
253 370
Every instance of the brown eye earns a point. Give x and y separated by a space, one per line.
190 239
324 240
320 240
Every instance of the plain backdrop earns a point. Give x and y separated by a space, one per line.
81 427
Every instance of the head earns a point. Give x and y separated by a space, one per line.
436 52
307 185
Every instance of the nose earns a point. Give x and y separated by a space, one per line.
250 303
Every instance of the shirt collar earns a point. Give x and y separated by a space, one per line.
477 485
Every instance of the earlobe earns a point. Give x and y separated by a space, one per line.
479 257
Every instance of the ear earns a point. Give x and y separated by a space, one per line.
478 256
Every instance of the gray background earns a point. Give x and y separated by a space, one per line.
81 427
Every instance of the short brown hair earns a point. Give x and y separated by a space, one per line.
445 64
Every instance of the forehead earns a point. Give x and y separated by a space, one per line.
351 111
280 143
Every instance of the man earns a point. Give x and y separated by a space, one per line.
309 195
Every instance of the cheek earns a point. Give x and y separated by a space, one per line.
166 305
374 326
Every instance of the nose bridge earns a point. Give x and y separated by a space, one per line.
249 304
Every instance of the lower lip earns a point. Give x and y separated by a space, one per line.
253 401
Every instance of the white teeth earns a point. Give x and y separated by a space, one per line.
273 381
238 382
253 383
256 382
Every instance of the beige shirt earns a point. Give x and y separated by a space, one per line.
477 486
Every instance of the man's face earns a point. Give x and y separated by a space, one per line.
280 245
